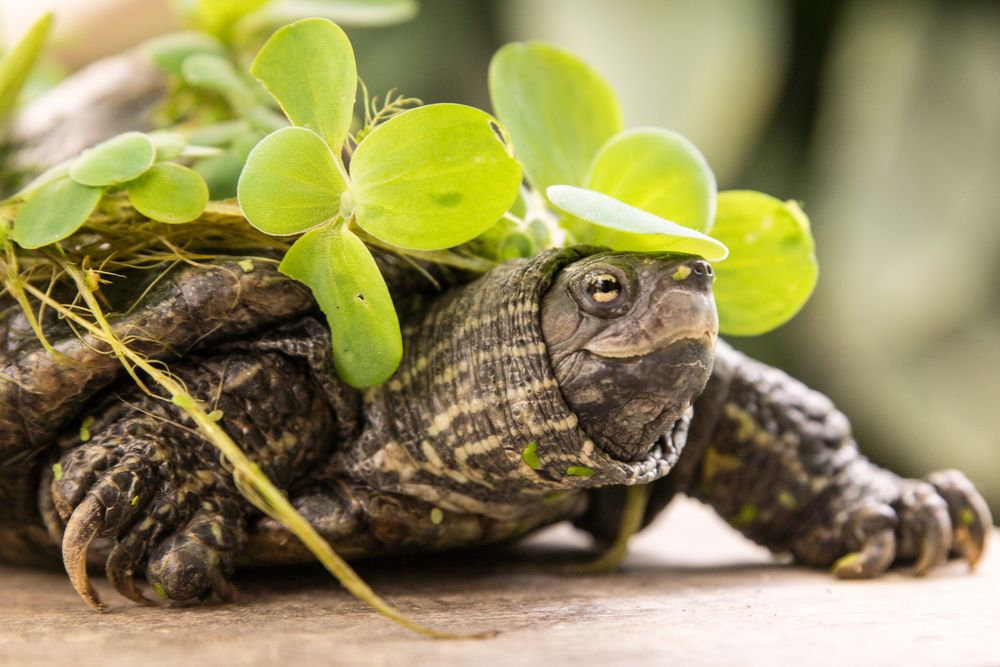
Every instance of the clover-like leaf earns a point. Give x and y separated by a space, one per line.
213 72
433 177
290 182
772 270
171 50
309 68
54 211
170 193
660 172
350 290
117 160
558 110
17 61
624 227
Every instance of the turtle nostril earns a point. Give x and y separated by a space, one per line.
701 268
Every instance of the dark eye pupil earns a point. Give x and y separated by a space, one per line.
605 284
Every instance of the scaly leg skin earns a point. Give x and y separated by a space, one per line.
778 461
148 480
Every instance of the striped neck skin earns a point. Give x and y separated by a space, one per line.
474 419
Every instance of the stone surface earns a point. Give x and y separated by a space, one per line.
693 592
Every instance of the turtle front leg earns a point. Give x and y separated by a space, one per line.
150 483
777 461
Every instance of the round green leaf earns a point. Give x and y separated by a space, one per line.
772 270
558 110
171 50
117 160
290 182
309 68
214 72
54 211
170 193
660 172
350 290
622 227
433 177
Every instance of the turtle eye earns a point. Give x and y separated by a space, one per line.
603 287
605 292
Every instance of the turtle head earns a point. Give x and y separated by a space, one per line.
631 338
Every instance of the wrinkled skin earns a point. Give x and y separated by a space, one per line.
530 396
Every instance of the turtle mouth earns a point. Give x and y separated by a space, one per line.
660 458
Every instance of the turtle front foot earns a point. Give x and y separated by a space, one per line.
927 522
159 505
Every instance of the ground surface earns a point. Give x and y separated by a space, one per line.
692 593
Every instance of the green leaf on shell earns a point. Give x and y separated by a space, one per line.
660 172
290 182
433 177
170 193
117 160
350 290
17 61
557 109
54 211
171 50
309 68
772 269
214 72
623 227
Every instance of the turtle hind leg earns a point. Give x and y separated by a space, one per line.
149 482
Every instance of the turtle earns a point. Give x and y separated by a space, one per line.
530 395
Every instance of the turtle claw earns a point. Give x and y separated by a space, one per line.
120 570
870 530
970 515
84 525
925 527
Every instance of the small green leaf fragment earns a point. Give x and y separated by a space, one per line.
682 272
85 429
309 68
57 471
624 227
161 592
579 471
290 182
117 160
530 456
433 177
169 193
214 72
553 496
966 516
216 415
658 171
246 265
437 516
135 500
786 499
170 51
558 110
350 290
17 62
745 516
55 211
772 270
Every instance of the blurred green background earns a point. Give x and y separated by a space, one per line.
882 116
